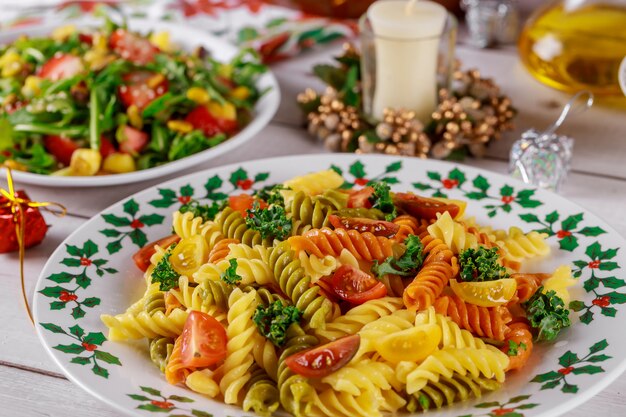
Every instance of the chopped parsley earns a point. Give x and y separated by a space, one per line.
230 276
481 265
381 199
271 194
164 273
406 264
271 222
547 313
273 320
514 348
207 212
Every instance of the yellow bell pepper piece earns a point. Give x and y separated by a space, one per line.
62 33
225 111
11 63
119 163
198 95
161 40
134 117
180 126
240 93
85 162
31 86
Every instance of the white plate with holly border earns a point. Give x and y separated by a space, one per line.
92 273
187 38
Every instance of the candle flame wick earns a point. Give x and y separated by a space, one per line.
410 5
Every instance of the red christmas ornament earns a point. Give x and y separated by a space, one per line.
35 226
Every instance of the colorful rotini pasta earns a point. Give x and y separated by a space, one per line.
331 302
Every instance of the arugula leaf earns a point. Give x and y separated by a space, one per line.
547 313
407 264
381 199
273 320
6 134
207 212
481 265
193 142
230 276
37 160
271 222
514 348
165 274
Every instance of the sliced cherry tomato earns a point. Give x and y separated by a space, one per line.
423 208
322 361
202 119
61 148
203 341
487 293
138 89
361 198
189 254
106 147
244 202
362 225
143 255
413 344
132 47
355 286
133 141
85 38
61 66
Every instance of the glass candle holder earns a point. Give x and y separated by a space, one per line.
404 69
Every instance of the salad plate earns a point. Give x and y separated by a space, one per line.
178 36
92 274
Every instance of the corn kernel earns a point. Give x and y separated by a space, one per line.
155 80
62 33
180 126
240 93
199 95
85 162
14 165
161 40
225 70
31 86
134 117
222 111
119 163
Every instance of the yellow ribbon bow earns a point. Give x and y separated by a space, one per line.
18 206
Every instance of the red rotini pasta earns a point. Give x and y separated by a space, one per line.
325 241
527 285
491 322
409 225
435 249
175 371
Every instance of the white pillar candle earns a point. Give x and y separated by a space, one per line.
407 36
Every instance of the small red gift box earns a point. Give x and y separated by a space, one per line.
35 226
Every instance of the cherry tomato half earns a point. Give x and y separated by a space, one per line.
355 286
423 208
362 225
143 255
203 341
61 148
413 344
189 254
60 67
139 89
361 198
132 47
487 293
326 359
244 202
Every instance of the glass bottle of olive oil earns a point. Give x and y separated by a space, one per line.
576 44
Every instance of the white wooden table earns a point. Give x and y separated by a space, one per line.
32 385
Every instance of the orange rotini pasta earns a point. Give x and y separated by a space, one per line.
221 250
491 322
518 345
428 284
325 241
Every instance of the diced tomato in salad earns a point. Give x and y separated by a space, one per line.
138 91
61 66
133 140
61 148
132 47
